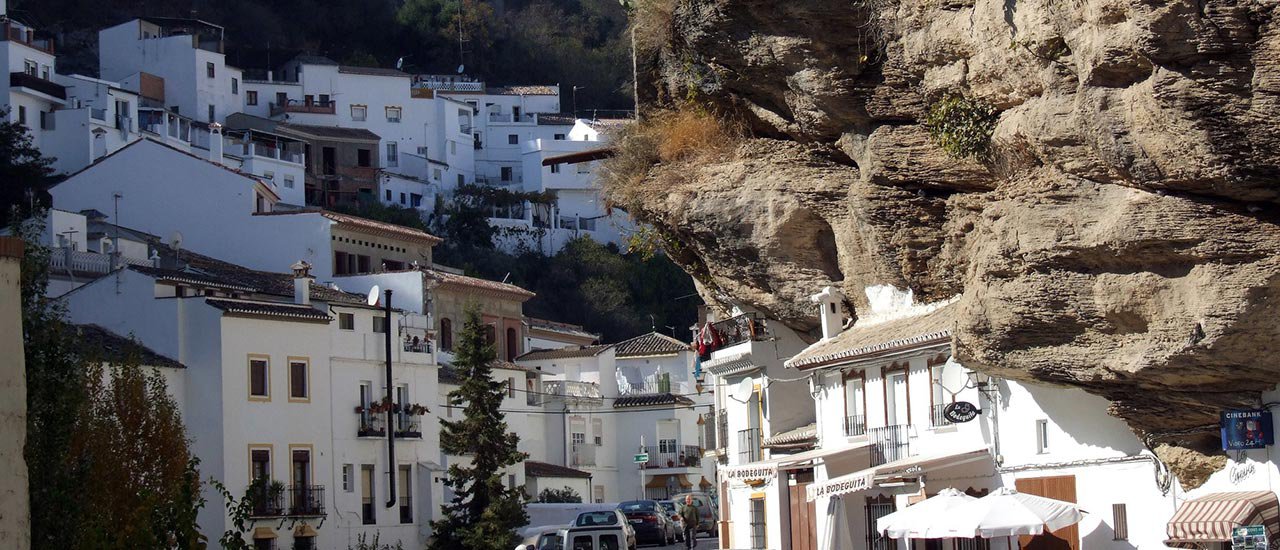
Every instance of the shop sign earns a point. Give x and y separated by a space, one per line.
960 412
1246 429
1249 537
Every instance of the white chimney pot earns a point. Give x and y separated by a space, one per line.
830 311
302 282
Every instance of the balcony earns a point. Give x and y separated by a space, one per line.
421 346
855 425
889 443
15 32
306 500
742 328
267 500
679 456
749 445
722 429
370 424
936 418
302 106
408 425
567 389
33 82
582 454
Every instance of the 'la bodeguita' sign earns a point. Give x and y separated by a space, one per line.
960 412
1247 429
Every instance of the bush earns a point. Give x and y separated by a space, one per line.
651 21
962 127
684 136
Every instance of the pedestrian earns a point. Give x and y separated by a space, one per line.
691 516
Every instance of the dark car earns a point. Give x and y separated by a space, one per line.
650 521
676 518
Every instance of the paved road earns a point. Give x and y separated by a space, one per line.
704 543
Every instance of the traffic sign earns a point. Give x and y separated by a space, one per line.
642 458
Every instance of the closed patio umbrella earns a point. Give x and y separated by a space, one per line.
920 520
1006 513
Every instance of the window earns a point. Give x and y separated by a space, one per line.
939 397
379 324
304 543
415 200
250 97
559 137
393 156
259 378
855 421
1120 521
461 180
269 175
597 493
393 114
208 69
235 86
264 544
406 494
22 115
446 334
513 344
324 100
758 532
299 380
282 99
288 182
260 464
30 67
1042 436
301 468
506 173
555 168
44 72
364 157
435 174
359 112
402 198
211 113
387 195
348 475
597 431
367 510
876 508
340 268
513 139
511 387
490 334
362 263
666 445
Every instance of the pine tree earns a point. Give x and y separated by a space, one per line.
484 513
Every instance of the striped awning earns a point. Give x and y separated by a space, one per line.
1210 518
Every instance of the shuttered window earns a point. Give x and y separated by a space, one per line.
299 385
1120 521
258 376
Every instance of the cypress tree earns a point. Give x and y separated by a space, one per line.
484 513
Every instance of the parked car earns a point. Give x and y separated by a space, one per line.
651 522
597 537
545 537
709 517
674 513
606 520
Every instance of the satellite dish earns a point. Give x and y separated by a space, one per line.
175 240
744 390
953 378
373 295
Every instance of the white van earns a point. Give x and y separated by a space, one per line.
601 537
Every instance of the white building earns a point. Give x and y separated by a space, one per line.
29 90
98 119
188 54
281 378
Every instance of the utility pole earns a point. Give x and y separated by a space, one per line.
391 428
640 467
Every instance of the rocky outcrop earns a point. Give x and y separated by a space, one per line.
1121 236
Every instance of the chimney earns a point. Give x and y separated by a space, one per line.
215 143
302 282
829 302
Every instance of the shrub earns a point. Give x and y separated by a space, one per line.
651 23
962 127
676 139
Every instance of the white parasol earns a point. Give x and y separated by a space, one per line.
920 520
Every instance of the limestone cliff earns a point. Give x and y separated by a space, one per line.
1120 234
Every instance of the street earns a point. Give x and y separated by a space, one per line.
704 543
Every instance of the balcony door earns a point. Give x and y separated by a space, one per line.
261 467
855 405
896 401
301 467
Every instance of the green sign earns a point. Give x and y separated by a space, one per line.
642 458
1249 537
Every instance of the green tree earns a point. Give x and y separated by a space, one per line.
24 172
565 495
484 513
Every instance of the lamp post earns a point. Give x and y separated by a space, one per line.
391 428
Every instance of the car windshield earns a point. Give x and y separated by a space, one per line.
637 506
550 541
587 519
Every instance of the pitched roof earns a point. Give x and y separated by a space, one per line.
728 366
254 308
561 328
650 344
650 400
563 353
330 132
364 225
147 139
449 374
556 119
371 71
586 155
804 434
446 278
930 325
309 59
108 346
533 468
523 90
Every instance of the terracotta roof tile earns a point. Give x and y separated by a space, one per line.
283 310
356 223
563 353
454 279
562 328
104 345
931 325
533 468
651 400
649 344
523 90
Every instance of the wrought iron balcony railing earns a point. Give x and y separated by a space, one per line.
748 445
855 425
889 443
306 500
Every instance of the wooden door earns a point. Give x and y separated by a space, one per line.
1055 487
804 521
